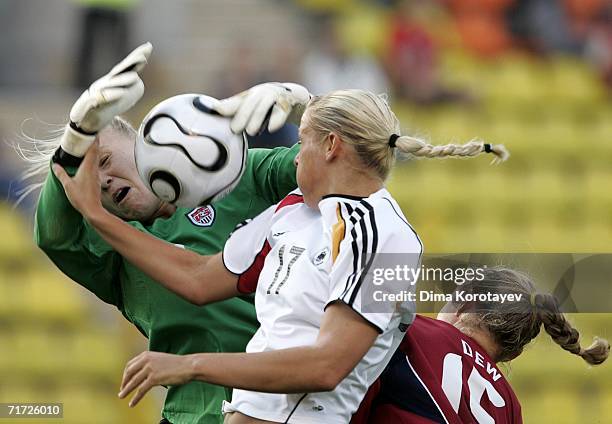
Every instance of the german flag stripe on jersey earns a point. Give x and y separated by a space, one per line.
338 233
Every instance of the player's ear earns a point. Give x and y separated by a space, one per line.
332 145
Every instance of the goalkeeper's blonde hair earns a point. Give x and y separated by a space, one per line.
365 121
37 152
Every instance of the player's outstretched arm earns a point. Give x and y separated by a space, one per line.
60 230
197 278
344 338
267 105
113 94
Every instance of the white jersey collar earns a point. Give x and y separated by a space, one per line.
328 205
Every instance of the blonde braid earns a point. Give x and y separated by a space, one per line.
513 325
365 121
420 148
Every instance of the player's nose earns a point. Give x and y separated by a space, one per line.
105 182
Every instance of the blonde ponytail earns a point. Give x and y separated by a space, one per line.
420 149
365 121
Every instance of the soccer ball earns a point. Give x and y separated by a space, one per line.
186 152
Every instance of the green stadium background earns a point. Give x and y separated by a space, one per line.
553 112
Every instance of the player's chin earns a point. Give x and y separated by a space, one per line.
140 208
303 185
311 201
128 210
123 213
111 207
133 211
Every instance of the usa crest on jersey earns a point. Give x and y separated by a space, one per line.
202 216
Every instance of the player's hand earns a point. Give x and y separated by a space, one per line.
109 96
151 369
83 190
270 104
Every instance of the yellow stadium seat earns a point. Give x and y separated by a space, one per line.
16 235
90 404
51 296
97 353
326 5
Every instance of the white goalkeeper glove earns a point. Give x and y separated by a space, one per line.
109 96
270 104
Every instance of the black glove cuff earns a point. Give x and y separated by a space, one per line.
80 130
65 159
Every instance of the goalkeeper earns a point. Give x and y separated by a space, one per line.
171 324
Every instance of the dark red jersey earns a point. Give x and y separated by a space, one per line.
439 375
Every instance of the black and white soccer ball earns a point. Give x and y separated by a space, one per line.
186 152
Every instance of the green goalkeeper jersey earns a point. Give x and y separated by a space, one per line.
170 323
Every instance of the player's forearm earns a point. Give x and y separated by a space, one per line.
173 267
57 223
296 370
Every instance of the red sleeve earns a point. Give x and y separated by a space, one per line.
290 199
247 281
246 250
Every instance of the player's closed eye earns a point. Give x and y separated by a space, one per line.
104 161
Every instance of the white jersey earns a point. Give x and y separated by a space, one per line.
298 260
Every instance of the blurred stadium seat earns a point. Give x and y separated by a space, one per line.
54 348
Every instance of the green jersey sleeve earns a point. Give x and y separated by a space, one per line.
73 245
274 172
